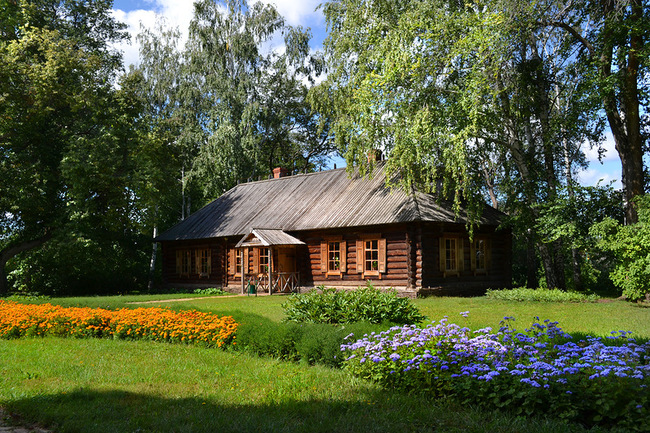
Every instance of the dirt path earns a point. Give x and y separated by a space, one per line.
162 301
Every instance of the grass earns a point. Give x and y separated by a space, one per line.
117 386
599 319
120 386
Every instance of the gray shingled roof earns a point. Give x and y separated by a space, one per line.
324 200
267 238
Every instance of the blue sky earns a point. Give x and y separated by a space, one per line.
178 13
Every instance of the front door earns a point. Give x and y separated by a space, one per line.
286 259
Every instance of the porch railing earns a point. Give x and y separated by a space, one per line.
283 282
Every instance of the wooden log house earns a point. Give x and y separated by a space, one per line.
337 230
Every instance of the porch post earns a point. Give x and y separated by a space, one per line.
270 270
243 285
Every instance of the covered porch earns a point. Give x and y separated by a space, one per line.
274 258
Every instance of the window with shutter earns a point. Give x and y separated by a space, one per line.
203 262
238 261
183 263
452 256
371 256
333 256
480 255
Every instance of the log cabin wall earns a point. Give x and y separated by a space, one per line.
467 281
216 275
412 260
395 272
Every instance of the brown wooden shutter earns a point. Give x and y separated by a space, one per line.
460 250
197 261
323 256
256 260
360 256
441 252
179 262
232 261
208 252
381 244
344 256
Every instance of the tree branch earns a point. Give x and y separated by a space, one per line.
583 41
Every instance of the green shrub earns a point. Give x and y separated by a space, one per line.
311 343
211 291
523 294
366 304
630 246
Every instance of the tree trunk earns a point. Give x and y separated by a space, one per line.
12 251
626 126
531 263
154 254
553 266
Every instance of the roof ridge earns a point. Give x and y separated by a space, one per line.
291 176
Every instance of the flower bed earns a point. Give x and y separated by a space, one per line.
537 371
157 324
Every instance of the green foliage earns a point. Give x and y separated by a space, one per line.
68 140
210 291
247 109
630 246
73 264
522 294
311 343
366 304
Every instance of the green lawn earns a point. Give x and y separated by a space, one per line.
117 386
121 386
599 318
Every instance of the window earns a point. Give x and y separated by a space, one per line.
333 252
452 257
334 256
480 255
183 262
263 256
371 259
238 261
371 255
203 262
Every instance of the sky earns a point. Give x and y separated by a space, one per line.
178 13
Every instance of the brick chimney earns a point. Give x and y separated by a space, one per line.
279 172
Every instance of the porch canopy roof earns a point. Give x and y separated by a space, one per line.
267 238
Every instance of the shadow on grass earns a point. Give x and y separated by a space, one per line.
91 411
119 411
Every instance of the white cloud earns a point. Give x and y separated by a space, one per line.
175 13
297 12
591 177
179 14
610 153
605 170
